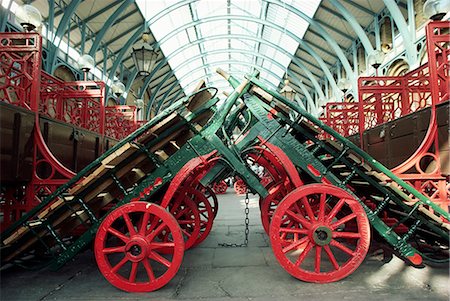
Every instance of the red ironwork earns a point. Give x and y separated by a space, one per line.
120 121
385 98
81 103
20 67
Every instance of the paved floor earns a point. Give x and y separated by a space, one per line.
210 272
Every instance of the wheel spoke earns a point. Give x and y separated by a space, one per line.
155 256
186 221
335 210
331 257
118 234
337 234
295 244
159 245
308 209
133 272
299 219
290 230
152 235
144 223
317 259
343 221
182 212
186 233
148 268
305 252
153 225
111 250
340 246
321 215
130 226
291 223
119 265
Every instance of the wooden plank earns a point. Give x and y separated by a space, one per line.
398 190
310 127
200 98
380 176
164 141
434 217
266 97
119 155
334 143
159 128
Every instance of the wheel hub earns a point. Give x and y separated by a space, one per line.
322 235
136 248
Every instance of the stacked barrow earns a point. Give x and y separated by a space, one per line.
327 199
145 201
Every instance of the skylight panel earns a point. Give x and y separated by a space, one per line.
276 13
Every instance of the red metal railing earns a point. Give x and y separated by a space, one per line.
385 98
121 121
82 104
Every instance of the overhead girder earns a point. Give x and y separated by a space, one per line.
217 37
69 10
355 25
334 29
217 51
124 50
120 36
399 20
253 38
99 35
98 13
360 7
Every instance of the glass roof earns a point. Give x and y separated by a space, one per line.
222 30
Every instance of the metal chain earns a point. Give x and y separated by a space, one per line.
247 231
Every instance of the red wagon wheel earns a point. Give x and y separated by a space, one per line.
205 211
131 260
268 205
220 187
212 198
240 187
187 215
320 233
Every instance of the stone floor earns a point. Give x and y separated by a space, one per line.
211 272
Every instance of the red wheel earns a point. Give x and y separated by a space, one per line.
187 215
131 260
269 204
320 233
212 198
220 187
206 213
240 187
